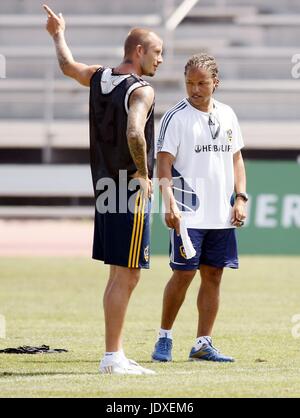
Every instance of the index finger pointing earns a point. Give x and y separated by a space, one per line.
49 11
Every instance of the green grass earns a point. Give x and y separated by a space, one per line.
59 302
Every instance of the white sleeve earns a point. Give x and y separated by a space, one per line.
168 137
237 138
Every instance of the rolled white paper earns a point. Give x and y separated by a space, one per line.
189 249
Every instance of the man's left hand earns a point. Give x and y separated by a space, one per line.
239 213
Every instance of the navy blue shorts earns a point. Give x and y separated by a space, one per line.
123 239
214 247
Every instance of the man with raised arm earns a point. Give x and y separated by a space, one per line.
122 141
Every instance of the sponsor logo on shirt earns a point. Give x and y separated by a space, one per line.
213 148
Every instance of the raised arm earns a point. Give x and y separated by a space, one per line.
80 72
140 103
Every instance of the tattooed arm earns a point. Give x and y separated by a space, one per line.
81 72
140 103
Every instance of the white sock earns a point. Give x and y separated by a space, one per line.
165 333
115 356
201 340
122 354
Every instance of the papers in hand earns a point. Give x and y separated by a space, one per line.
189 249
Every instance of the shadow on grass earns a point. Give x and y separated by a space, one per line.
166 362
5 375
60 361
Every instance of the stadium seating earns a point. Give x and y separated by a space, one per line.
41 111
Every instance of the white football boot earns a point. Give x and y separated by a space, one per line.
123 366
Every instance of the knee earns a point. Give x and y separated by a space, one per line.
133 279
213 276
125 279
183 278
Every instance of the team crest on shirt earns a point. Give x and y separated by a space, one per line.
182 252
229 135
146 254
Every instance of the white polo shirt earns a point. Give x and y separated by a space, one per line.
203 173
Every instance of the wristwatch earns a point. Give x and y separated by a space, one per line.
243 196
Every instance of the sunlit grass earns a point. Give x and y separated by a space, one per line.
58 302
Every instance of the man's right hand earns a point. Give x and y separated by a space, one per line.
146 185
173 218
55 24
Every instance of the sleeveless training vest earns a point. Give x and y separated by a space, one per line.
109 98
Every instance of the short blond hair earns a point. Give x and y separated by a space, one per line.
137 36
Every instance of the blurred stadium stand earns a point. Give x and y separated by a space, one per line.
44 116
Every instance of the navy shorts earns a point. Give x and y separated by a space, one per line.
214 247
123 238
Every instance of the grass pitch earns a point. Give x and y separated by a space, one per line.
58 302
